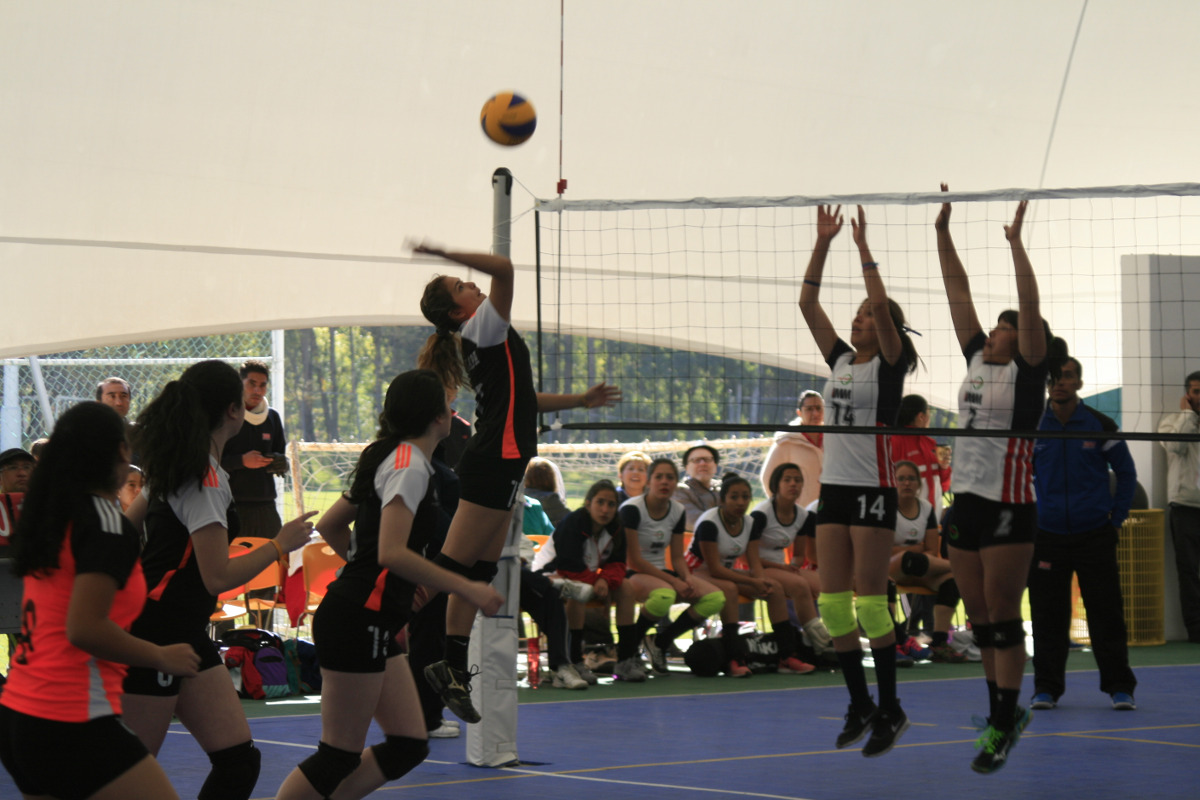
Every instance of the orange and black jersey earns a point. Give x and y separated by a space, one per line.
51 678
172 573
406 474
505 400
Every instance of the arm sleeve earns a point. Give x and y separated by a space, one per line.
1179 422
408 483
679 528
487 328
691 507
102 544
199 505
758 524
706 531
1117 453
630 516
839 349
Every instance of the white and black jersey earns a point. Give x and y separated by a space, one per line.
775 537
711 528
912 531
653 535
1008 396
860 394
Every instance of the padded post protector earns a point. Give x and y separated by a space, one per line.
1010 633
397 755
874 616
837 609
914 564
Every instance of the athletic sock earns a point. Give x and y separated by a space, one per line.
885 675
856 678
628 640
1006 709
456 651
993 699
732 641
576 645
673 630
785 638
644 623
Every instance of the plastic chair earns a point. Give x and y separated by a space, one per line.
267 579
321 565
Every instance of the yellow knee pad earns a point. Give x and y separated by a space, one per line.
710 604
659 601
837 610
874 615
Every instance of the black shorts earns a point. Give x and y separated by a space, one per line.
350 638
857 506
70 760
490 482
147 681
979 523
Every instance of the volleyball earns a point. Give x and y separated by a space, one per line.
508 119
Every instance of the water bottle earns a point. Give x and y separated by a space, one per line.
533 661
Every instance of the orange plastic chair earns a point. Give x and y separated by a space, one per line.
321 565
267 579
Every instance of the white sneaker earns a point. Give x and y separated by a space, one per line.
573 590
565 677
445 731
586 674
629 670
963 641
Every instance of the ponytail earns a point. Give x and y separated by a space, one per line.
442 351
175 430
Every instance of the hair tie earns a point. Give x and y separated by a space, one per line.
907 329
445 333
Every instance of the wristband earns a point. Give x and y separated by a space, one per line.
278 549
813 283
870 264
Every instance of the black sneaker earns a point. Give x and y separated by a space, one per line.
857 726
994 745
889 726
454 687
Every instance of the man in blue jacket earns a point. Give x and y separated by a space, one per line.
1078 520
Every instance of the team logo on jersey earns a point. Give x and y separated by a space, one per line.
847 378
977 382
954 533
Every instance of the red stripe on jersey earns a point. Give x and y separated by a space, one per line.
403 455
210 478
508 448
375 599
1018 477
883 458
692 559
157 592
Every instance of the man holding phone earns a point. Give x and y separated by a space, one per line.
256 455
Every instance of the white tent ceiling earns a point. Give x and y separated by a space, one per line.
191 167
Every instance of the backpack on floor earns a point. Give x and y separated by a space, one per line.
251 639
272 671
240 663
304 673
762 652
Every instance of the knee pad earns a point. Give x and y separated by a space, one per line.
983 635
1010 633
914 564
659 601
874 616
446 562
328 767
234 772
483 571
837 609
710 604
397 755
947 594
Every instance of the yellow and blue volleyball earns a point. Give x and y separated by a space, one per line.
508 119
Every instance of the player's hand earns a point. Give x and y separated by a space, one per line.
858 228
942 223
602 395
296 533
178 659
425 248
600 589
483 596
1013 232
829 223
684 590
255 460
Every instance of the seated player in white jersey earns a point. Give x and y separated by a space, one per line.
858 495
995 515
725 536
654 529
917 561
786 527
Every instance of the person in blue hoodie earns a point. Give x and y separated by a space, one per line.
1079 517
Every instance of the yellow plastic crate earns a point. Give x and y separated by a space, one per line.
1140 558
